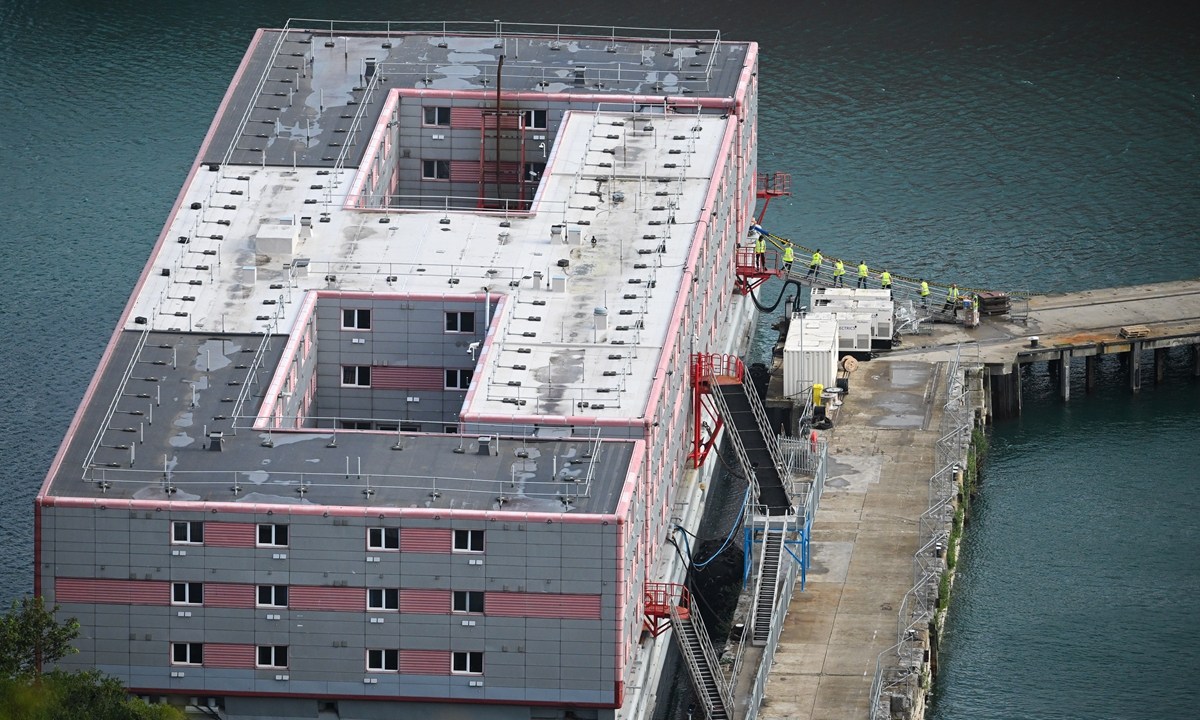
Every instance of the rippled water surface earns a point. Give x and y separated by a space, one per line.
1048 145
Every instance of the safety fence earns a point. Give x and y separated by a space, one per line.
898 668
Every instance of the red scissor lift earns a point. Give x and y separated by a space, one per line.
749 274
709 369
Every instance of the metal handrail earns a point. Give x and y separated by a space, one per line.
260 356
735 440
252 102
112 406
764 424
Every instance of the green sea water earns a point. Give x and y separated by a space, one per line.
1043 145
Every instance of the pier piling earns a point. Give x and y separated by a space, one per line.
1196 361
1089 373
1135 366
1064 375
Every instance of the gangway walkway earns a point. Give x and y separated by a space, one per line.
669 600
768 584
737 404
934 308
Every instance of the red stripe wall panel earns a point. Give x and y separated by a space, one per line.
462 118
468 171
225 595
222 534
217 655
407 378
327 598
430 602
425 662
112 592
569 607
465 118
426 540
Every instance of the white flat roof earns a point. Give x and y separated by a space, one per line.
566 360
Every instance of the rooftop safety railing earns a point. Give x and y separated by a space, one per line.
689 42
899 666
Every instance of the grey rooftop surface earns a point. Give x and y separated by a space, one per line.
307 102
536 474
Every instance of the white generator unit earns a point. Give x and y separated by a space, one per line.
877 303
854 331
810 352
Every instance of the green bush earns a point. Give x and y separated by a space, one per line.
83 695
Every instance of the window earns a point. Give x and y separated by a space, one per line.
437 116
468 601
383 599
535 119
273 656
191 533
187 593
468 541
534 171
450 429
470 663
383 660
272 595
460 322
355 425
356 376
356 319
383 538
410 427
274 535
435 169
458 379
187 653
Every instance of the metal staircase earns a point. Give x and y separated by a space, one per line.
704 667
756 447
768 585
669 605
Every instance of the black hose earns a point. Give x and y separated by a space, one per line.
786 283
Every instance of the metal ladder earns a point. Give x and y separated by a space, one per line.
704 667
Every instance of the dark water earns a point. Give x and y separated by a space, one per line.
1048 145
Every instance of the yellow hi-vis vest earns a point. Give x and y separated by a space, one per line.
862 270
760 245
885 278
839 269
788 256
924 288
952 295
816 258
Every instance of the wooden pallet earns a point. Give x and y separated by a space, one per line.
1135 331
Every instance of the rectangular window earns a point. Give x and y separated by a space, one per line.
450 429
459 379
187 593
534 171
468 601
383 538
410 427
435 169
273 535
468 663
187 533
356 319
383 599
272 595
356 376
437 116
355 425
383 660
460 322
187 653
273 656
535 119
468 541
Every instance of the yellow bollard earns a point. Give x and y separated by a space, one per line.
818 388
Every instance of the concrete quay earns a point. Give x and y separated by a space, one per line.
882 452
1085 324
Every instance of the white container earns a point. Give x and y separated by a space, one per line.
881 309
810 353
854 331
